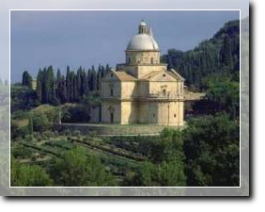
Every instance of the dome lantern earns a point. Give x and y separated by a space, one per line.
143 29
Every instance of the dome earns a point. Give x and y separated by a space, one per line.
142 42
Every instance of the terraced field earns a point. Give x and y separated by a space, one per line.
115 129
119 159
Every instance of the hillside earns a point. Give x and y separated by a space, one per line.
220 54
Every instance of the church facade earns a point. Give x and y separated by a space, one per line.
142 90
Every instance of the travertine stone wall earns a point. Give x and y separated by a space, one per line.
144 57
109 107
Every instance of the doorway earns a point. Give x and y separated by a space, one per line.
111 117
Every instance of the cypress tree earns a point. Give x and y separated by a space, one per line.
39 90
226 53
68 84
26 79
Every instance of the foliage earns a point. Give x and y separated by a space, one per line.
26 79
222 95
70 88
211 146
217 55
23 98
21 152
28 175
167 168
76 114
40 122
79 169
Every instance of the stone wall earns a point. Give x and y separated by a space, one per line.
108 108
144 57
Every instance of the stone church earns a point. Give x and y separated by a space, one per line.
142 90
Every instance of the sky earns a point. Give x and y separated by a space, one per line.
86 38
7 5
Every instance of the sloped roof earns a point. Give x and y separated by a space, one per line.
177 74
119 76
151 76
123 76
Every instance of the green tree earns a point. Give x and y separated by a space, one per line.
68 83
23 98
26 79
40 122
226 53
222 95
211 146
167 173
168 167
28 175
79 169
39 88
217 55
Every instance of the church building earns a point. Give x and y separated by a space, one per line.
142 90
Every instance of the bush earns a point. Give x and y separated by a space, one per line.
28 175
40 122
48 134
22 152
78 113
28 138
77 133
79 169
17 131
67 132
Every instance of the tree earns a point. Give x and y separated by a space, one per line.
79 169
226 54
168 167
167 173
39 88
23 98
40 121
28 175
222 95
217 55
26 79
93 79
68 83
211 146
49 85
70 88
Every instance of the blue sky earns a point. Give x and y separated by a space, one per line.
86 38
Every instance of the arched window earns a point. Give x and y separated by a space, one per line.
111 90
